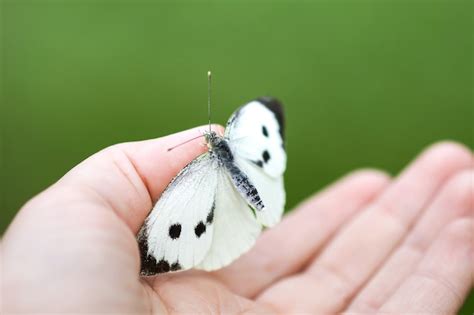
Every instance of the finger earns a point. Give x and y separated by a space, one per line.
362 246
455 201
443 278
288 246
125 178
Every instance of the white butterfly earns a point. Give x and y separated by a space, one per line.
214 209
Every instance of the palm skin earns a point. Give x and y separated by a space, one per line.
365 244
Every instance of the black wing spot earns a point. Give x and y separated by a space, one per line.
259 163
265 156
175 231
176 266
200 229
265 131
210 216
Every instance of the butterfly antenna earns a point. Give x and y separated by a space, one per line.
208 112
169 149
209 98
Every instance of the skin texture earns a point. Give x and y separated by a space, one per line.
367 243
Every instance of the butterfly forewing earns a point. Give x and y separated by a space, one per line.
256 132
178 232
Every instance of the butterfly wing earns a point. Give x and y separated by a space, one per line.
256 138
235 226
177 233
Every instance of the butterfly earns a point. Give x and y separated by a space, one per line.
215 208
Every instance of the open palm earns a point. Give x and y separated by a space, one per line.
365 244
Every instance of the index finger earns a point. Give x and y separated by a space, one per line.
126 178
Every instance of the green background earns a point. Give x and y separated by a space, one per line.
365 83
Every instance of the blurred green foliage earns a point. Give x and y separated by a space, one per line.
365 83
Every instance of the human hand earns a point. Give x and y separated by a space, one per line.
364 244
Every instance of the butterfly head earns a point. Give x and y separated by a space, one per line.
212 139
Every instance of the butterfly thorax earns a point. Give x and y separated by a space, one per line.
219 148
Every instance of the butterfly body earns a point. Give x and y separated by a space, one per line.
219 149
203 219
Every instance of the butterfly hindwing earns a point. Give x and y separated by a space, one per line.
177 234
235 226
256 138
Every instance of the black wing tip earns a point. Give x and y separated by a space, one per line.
149 265
274 105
